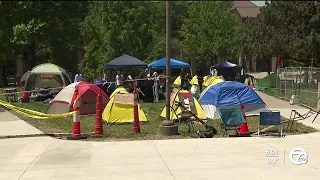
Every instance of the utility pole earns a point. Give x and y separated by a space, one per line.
167 126
168 54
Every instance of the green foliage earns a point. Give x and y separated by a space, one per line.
290 29
210 30
37 30
115 28
24 34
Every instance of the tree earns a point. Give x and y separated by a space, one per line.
289 29
112 29
209 32
41 31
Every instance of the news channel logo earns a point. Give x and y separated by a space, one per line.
298 156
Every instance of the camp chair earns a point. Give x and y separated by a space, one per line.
296 116
231 119
268 117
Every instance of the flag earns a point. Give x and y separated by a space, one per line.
279 61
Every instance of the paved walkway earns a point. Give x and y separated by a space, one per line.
12 125
285 109
39 158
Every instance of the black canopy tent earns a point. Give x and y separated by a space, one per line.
228 70
128 64
125 61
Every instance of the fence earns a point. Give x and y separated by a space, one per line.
300 81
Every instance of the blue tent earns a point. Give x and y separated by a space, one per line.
161 64
230 93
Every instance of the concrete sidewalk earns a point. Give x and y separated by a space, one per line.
12 125
285 109
39 158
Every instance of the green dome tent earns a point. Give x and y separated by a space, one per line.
45 75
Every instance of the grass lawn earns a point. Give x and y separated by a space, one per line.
149 130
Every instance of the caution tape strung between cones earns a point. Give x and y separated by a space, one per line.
32 113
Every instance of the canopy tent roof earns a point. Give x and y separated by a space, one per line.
47 68
229 93
125 61
175 64
224 64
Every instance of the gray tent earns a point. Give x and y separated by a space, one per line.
45 75
126 61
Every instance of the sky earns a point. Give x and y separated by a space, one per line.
259 3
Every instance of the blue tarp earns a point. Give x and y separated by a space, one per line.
230 93
161 64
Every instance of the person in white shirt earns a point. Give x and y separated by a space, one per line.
78 77
155 87
119 79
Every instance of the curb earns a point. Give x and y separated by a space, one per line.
23 135
34 135
67 136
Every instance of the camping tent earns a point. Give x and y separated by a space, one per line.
188 101
230 94
194 80
174 64
211 80
120 108
125 61
45 76
119 90
64 100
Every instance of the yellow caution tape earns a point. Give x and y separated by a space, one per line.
34 114
76 100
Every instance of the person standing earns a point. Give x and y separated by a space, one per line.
200 80
119 79
194 83
155 87
78 77
130 84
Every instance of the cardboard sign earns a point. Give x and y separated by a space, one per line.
124 99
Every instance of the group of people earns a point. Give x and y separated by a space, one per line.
150 89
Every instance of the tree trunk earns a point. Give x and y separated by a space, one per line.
2 73
267 60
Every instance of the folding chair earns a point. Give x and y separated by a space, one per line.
268 117
231 119
296 116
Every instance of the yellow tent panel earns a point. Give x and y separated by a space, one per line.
119 90
211 80
116 112
194 80
178 96
177 81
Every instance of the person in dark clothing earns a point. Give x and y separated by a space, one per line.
200 79
187 81
183 80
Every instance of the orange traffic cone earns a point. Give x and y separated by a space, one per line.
243 128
